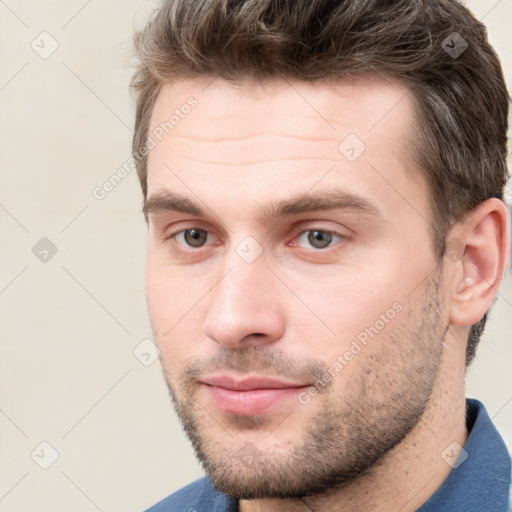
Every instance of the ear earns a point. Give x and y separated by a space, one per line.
479 252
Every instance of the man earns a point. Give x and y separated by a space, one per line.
323 185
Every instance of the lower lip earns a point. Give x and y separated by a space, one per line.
250 402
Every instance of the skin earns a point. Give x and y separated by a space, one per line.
295 308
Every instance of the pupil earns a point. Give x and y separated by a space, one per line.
319 239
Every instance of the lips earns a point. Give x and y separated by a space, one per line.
250 395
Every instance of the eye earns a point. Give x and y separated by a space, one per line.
318 238
192 237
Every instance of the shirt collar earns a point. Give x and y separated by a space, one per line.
482 480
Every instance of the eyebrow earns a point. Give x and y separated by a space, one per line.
332 199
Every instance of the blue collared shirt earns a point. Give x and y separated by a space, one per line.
481 483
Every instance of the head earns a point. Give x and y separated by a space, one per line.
323 185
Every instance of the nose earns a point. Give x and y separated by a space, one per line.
244 308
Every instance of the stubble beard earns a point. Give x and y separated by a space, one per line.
348 435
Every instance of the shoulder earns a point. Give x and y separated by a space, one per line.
199 496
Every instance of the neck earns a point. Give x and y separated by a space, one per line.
407 476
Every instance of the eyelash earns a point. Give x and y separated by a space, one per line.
299 233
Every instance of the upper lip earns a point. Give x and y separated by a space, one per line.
248 383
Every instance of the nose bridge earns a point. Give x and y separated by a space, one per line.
244 303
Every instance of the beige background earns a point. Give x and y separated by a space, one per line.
69 326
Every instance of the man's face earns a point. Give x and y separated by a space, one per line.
292 286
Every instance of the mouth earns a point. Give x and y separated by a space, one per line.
250 395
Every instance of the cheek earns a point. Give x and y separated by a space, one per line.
344 305
359 324
177 307
170 292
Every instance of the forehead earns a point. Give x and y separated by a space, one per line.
258 140
286 107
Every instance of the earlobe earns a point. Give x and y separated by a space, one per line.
483 251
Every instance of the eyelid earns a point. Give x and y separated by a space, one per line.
178 227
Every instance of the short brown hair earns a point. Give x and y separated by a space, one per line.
461 98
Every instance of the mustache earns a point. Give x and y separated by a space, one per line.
264 362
